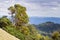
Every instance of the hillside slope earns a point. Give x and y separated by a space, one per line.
6 36
48 27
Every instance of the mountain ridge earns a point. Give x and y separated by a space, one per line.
48 27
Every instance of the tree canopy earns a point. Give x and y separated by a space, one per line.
21 17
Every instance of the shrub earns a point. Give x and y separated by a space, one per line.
4 21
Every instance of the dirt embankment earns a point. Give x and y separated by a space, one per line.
6 36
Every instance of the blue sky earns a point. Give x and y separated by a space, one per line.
38 8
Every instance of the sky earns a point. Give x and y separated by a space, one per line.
35 8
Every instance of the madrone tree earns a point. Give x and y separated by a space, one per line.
21 18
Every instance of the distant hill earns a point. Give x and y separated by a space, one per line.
39 20
48 27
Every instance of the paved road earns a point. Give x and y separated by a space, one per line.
6 36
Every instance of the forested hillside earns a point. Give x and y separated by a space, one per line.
48 27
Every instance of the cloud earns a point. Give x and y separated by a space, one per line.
39 8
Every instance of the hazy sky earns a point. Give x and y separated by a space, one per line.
38 8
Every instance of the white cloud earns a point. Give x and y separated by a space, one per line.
33 9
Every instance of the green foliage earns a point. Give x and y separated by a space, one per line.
47 38
25 30
56 36
4 22
12 9
21 18
32 29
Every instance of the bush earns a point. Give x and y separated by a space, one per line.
4 21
